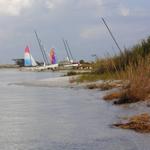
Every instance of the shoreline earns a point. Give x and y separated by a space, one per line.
8 66
108 86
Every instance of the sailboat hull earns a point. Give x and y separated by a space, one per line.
40 68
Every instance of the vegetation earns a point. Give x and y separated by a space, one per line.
115 95
107 85
88 77
92 76
71 73
132 65
139 77
129 57
139 123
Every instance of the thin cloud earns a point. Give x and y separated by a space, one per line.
91 32
13 7
52 4
124 11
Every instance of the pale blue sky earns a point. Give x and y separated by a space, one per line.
78 21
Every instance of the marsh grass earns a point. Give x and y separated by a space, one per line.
132 65
139 81
91 77
138 87
139 123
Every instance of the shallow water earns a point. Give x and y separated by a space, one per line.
57 118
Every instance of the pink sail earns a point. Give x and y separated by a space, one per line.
27 58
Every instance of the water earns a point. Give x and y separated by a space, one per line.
57 118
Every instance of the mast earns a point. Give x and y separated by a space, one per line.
45 55
66 49
112 36
42 49
69 49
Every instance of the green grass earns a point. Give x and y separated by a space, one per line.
91 77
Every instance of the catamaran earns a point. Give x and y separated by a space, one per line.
48 63
53 62
71 63
30 63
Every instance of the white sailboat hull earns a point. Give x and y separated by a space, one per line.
71 65
41 68
46 67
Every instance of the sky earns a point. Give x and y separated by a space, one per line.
78 21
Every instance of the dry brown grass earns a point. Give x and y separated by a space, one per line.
106 85
138 86
139 81
112 96
102 86
138 123
122 98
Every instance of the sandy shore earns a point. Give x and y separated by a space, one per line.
51 82
64 81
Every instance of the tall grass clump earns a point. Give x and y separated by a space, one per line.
132 66
139 81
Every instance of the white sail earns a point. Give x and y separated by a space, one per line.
33 62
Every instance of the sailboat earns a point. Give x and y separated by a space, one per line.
53 62
70 59
31 65
29 61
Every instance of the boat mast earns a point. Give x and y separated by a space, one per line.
42 49
69 50
112 35
45 55
66 49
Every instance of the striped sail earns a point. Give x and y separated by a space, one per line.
52 56
28 59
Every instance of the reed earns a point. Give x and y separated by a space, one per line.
139 80
131 65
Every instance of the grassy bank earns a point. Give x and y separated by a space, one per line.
132 69
139 123
132 65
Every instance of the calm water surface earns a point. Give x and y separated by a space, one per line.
53 118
